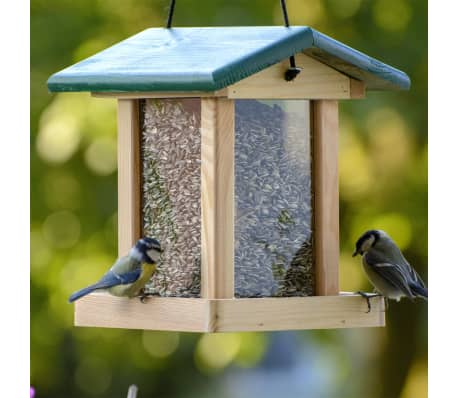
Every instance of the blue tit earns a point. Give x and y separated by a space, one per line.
387 269
128 275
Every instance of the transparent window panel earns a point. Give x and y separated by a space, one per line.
170 146
273 199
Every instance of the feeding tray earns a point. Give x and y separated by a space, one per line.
346 310
235 171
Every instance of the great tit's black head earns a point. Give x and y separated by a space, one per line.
367 240
149 249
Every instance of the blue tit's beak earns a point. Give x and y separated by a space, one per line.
355 253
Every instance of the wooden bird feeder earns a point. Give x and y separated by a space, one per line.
235 171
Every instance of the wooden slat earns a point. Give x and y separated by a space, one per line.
160 94
228 315
316 81
357 89
158 313
268 314
325 133
129 201
217 182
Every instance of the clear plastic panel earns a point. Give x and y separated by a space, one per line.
273 199
171 192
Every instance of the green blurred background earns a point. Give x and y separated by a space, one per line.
383 184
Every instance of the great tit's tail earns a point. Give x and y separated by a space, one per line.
80 293
419 291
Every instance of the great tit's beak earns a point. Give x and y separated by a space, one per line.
355 253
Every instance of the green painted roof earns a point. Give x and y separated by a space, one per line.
208 59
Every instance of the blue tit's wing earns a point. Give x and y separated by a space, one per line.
124 265
110 279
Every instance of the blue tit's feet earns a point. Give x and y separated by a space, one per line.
143 296
368 297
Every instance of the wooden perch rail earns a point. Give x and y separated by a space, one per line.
346 310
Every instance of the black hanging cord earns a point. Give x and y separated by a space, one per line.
170 16
291 72
285 12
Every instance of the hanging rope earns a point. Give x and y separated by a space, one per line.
170 16
291 72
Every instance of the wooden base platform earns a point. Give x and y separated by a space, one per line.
346 310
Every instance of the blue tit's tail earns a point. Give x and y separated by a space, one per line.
419 291
80 293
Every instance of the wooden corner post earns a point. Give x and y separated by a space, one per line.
217 198
325 130
129 201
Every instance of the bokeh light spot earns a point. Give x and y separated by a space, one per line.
58 138
40 252
101 156
416 385
216 351
390 141
355 168
392 15
160 344
62 229
344 9
252 349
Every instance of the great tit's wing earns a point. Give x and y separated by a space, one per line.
110 279
396 257
392 273
416 284
415 277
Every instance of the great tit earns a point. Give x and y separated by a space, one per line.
128 275
387 269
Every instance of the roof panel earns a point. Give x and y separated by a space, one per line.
208 59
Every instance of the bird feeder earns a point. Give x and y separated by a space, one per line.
235 170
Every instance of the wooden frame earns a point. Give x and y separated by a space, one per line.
129 195
217 310
316 81
229 315
217 193
325 135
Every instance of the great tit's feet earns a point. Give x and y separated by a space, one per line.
368 297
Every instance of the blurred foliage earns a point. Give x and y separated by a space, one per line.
383 181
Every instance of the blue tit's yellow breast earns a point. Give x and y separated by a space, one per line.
133 289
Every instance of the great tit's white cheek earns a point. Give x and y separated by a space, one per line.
367 244
154 255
